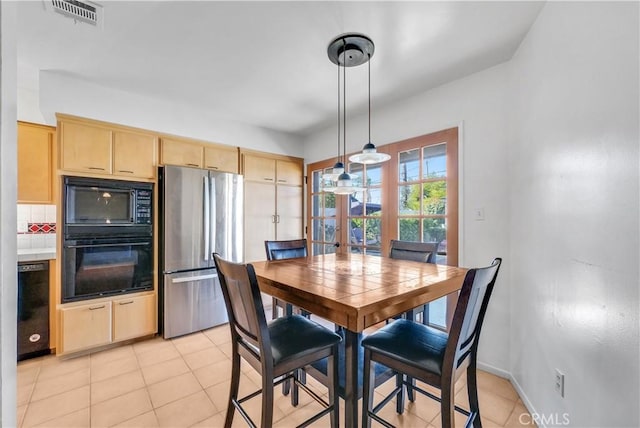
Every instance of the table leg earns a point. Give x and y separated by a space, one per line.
351 348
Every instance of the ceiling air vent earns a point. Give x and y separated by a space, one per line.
79 10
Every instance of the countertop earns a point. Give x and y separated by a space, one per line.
35 254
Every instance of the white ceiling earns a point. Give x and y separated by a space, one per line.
265 63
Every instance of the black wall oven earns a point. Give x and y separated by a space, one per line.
108 238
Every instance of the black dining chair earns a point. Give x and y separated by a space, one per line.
424 252
280 250
431 355
277 350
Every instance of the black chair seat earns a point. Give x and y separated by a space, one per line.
295 336
412 343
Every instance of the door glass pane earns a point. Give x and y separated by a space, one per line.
434 162
374 175
373 232
409 229
329 204
316 205
356 169
316 180
409 199
374 202
317 229
434 230
330 230
409 166
434 198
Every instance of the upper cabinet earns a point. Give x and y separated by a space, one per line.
197 154
132 152
35 163
105 149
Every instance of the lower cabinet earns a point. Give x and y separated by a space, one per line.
134 317
88 326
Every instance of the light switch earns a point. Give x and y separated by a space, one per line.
479 214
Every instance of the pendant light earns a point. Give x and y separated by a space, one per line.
369 154
347 50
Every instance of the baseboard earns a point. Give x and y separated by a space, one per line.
507 375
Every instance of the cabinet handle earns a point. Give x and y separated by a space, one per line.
126 303
123 170
268 179
277 218
192 164
273 219
96 168
282 181
212 167
97 307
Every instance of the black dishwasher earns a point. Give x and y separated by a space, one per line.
33 309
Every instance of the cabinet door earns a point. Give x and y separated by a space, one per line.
183 153
289 218
289 172
257 168
134 317
35 167
221 159
85 326
259 218
85 148
134 155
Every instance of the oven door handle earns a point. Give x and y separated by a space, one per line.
136 244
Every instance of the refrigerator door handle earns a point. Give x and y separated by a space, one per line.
206 219
213 216
193 278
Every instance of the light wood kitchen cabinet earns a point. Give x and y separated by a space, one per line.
182 153
134 154
35 163
85 148
134 317
105 321
273 201
85 326
219 158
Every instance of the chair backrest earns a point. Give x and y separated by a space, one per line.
291 249
244 304
416 251
470 310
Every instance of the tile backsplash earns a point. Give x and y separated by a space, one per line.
36 226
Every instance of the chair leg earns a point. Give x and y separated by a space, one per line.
411 394
472 391
368 386
233 389
267 400
400 395
332 374
447 408
294 389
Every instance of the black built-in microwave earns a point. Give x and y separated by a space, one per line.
107 207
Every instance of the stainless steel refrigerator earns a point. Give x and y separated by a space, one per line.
200 213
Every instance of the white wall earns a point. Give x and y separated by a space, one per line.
478 104
53 92
8 257
573 169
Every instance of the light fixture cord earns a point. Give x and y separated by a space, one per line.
369 96
338 111
344 110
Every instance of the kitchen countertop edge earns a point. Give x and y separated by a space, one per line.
36 254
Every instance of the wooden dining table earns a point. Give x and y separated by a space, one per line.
356 291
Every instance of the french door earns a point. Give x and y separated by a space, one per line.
412 197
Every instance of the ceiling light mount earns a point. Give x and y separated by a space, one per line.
350 49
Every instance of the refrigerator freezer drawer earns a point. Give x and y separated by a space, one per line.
193 301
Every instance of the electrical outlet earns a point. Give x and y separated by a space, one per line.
560 382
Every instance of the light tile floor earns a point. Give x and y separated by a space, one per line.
184 382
